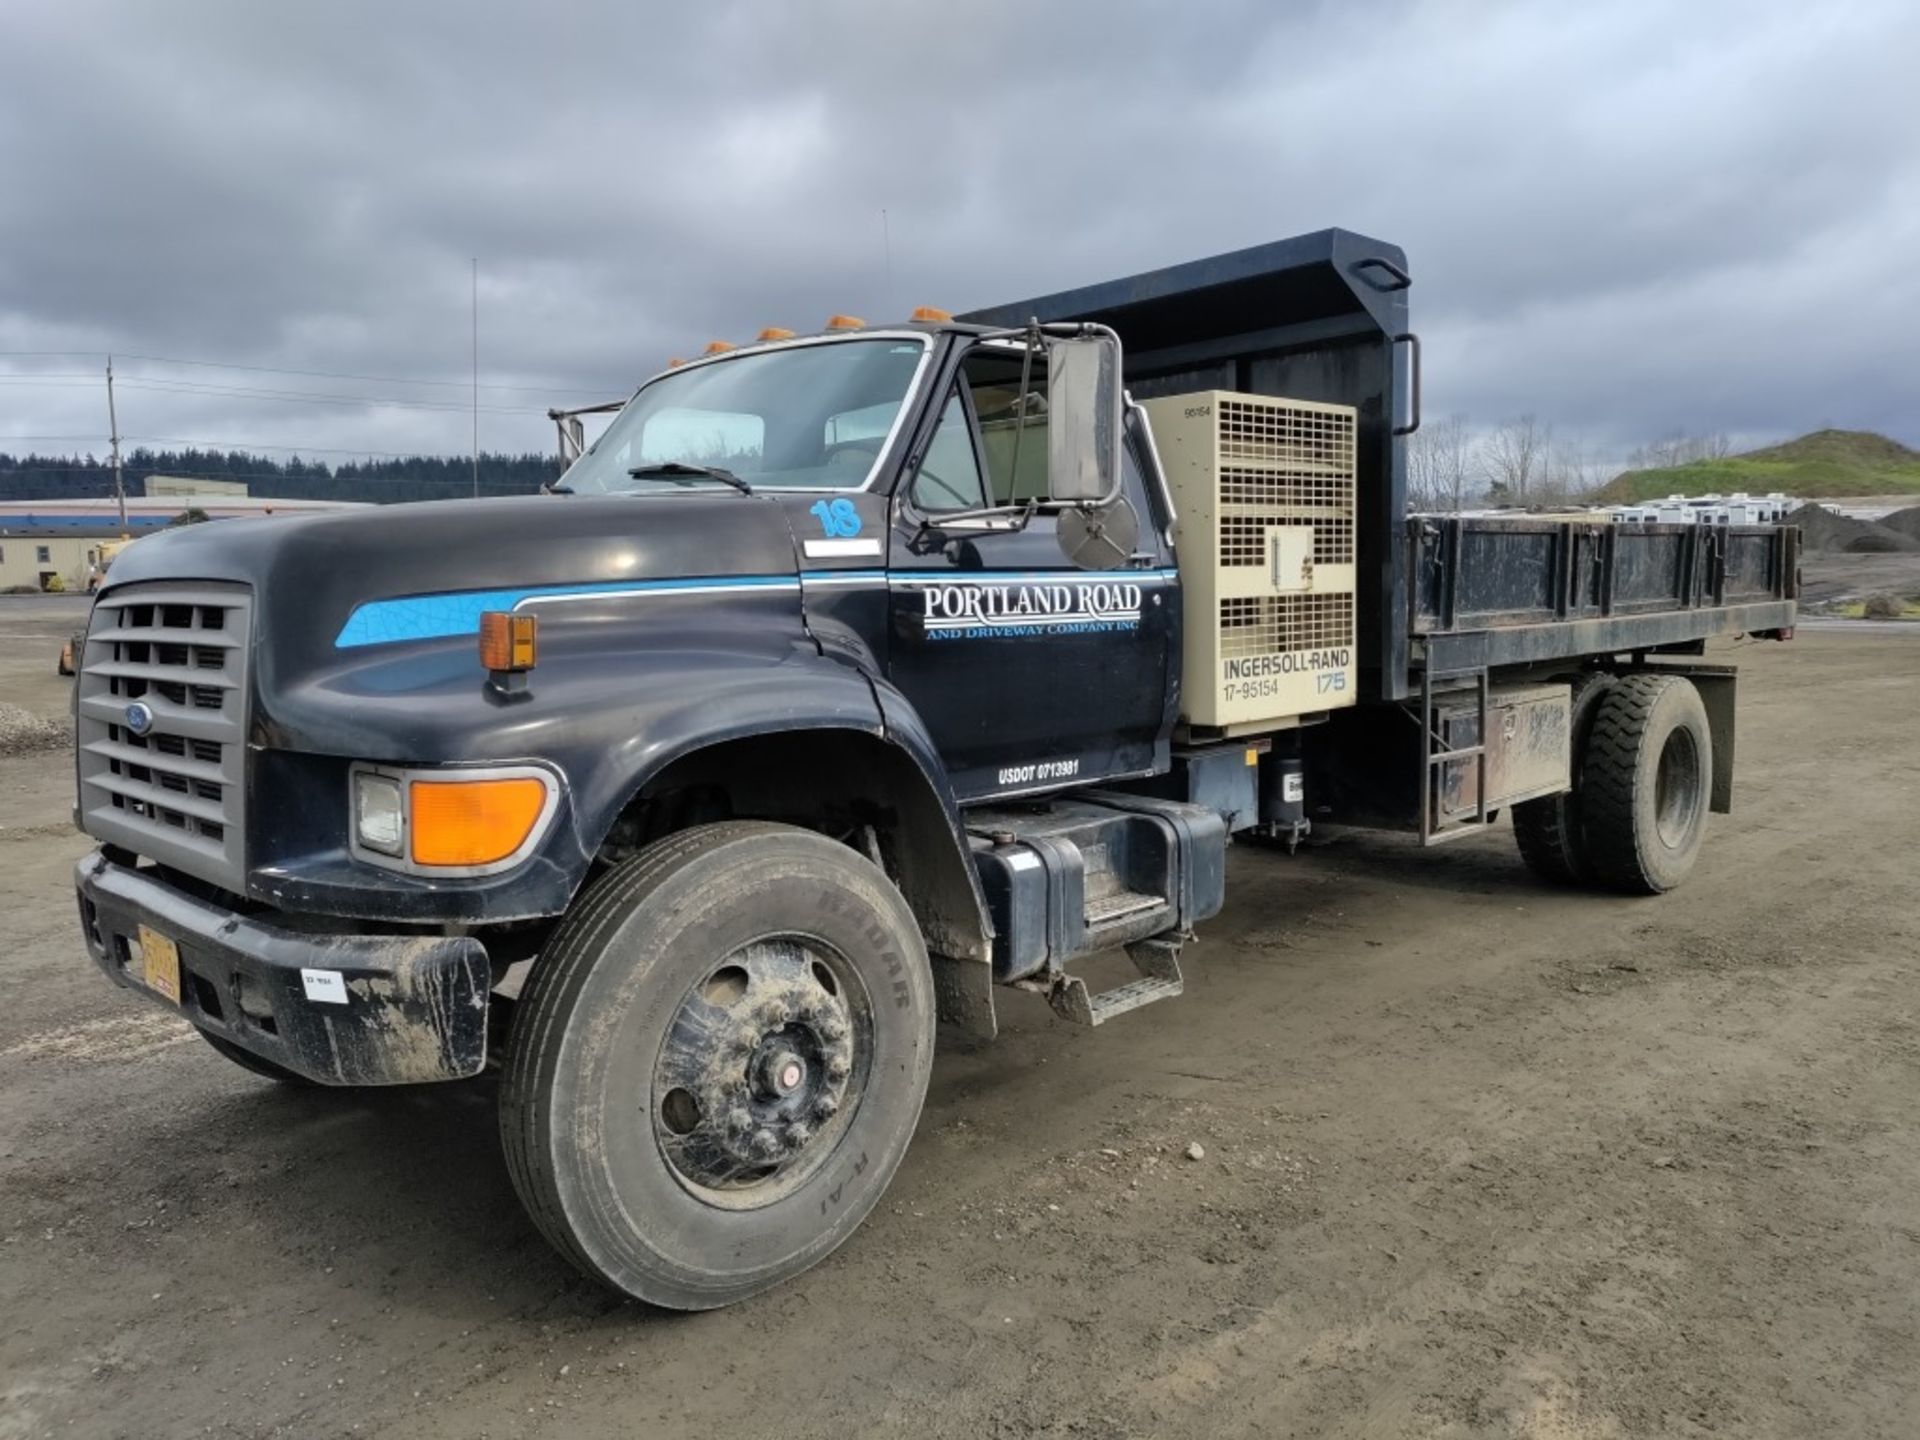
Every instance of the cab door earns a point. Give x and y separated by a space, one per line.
1029 673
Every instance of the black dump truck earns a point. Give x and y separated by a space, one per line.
848 676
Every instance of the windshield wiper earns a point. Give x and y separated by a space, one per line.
674 469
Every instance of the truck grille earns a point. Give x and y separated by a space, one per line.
161 725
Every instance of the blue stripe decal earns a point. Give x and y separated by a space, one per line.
1028 577
434 617
458 612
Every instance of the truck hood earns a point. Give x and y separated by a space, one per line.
353 578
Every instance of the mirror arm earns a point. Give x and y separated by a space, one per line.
1026 378
1021 515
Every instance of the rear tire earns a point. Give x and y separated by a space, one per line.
718 1062
1548 830
1647 780
247 1060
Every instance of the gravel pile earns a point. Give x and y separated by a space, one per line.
22 732
1821 529
1907 521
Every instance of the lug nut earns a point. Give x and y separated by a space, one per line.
837 1068
824 1107
798 1134
738 1120
766 1144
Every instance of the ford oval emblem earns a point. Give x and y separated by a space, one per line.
139 718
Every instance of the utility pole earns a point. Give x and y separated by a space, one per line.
476 377
113 424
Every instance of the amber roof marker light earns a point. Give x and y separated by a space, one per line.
774 332
845 322
930 315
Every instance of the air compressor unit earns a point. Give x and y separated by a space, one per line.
1263 489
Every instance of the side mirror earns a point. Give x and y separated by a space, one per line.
1083 418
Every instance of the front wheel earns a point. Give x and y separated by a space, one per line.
718 1063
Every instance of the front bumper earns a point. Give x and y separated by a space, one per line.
340 1009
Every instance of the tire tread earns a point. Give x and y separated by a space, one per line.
1548 830
544 1006
1611 779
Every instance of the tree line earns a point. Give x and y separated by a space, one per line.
1450 465
375 480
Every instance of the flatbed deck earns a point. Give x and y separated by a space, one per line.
1496 591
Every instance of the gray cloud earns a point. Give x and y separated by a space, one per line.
1629 219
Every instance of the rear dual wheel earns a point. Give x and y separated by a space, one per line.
1548 829
1647 780
1642 780
718 1063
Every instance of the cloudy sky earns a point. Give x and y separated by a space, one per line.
1629 219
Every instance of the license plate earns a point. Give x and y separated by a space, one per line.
160 964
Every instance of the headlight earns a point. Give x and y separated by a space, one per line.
451 822
377 815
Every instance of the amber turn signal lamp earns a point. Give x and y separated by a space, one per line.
508 642
845 322
774 332
717 347
473 822
928 315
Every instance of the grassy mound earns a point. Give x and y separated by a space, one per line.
1827 462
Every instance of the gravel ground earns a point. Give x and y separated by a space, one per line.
22 731
1474 1158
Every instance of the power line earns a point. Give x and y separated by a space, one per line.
113 421
242 447
247 392
101 470
476 377
314 397
550 388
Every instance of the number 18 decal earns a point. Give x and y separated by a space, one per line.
836 517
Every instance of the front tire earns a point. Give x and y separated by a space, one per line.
1647 779
718 1063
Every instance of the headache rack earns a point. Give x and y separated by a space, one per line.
1324 318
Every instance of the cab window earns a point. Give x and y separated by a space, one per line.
949 477
1013 425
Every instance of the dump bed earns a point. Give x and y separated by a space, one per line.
1323 317
1493 590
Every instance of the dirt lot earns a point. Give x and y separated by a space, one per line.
1481 1159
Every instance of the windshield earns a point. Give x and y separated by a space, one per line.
805 417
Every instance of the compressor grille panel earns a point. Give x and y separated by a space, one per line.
1265 493
1282 624
1251 501
1285 432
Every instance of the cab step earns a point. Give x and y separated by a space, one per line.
1090 872
1157 960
